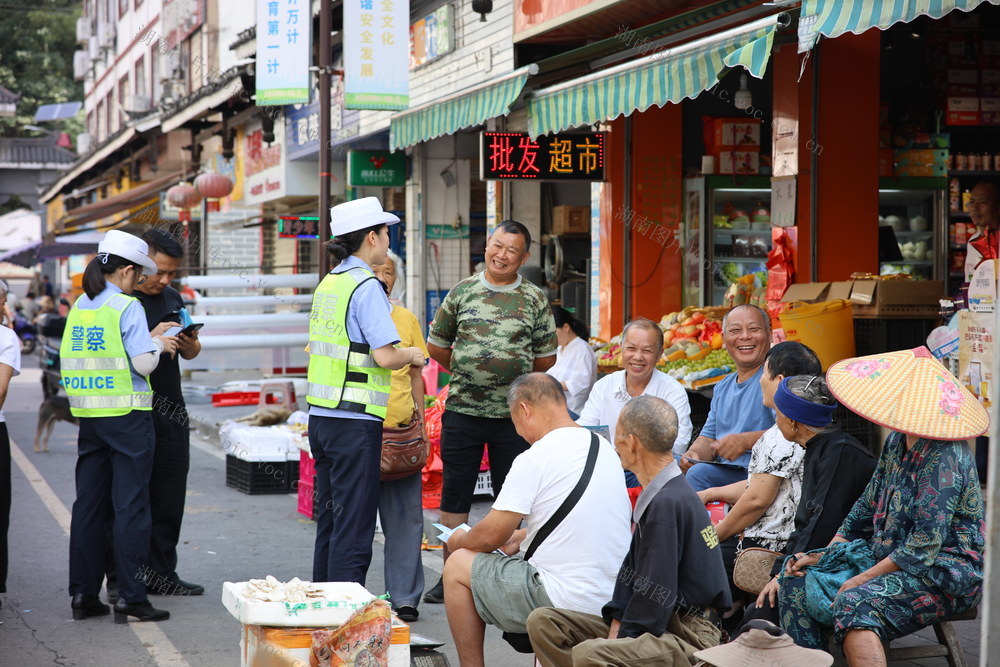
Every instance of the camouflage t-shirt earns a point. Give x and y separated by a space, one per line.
495 332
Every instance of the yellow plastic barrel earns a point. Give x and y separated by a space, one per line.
826 327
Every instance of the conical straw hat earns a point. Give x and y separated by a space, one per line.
908 391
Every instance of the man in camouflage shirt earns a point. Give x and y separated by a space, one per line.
491 328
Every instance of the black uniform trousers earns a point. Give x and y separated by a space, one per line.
348 453
168 489
115 458
4 502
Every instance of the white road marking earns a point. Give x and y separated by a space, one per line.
149 634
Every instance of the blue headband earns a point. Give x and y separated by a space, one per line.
799 409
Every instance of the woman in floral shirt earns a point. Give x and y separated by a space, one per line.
914 540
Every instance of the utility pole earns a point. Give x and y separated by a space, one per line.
325 25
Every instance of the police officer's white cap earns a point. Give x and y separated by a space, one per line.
128 247
358 214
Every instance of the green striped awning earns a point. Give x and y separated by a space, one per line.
832 18
668 75
466 108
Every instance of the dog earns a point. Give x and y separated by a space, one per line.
53 409
267 416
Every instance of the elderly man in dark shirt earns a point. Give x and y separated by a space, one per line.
672 584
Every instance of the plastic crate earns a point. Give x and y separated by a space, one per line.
889 335
307 466
260 477
306 499
484 485
229 398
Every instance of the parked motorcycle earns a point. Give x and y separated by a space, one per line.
51 331
26 331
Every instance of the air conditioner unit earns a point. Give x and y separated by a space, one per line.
106 33
82 30
83 143
137 104
81 63
93 51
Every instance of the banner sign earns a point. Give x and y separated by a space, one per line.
553 157
376 54
376 168
283 49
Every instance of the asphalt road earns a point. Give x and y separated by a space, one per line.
227 536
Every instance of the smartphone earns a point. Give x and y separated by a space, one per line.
187 331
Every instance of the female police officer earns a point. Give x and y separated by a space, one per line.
351 339
106 354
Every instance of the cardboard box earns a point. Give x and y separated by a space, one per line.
816 292
963 104
896 298
737 162
570 220
990 77
731 133
920 156
922 170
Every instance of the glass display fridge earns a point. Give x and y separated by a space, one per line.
727 234
916 210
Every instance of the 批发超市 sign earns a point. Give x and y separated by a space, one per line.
376 169
569 157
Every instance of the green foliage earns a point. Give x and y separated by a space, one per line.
37 41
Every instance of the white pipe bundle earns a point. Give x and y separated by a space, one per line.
252 302
257 320
236 341
243 280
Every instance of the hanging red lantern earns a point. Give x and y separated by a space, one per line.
212 185
183 195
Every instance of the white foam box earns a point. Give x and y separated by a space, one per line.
272 628
257 443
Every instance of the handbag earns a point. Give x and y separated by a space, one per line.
752 568
519 641
404 449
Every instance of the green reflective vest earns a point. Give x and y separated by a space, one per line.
343 373
95 369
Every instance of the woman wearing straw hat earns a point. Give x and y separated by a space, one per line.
107 354
910 552
351 356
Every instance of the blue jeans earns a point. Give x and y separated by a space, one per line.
703 476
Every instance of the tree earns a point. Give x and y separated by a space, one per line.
37 41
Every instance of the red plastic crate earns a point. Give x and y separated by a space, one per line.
228 398
306 498
307 465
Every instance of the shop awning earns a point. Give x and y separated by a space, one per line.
138 197
832 18
30 254
669 75
466 108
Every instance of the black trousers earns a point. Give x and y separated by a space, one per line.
348 453
168 489
115 458
4 502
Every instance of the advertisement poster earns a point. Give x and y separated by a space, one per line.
975 353
376 54
283 49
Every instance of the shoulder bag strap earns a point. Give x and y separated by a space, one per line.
571 500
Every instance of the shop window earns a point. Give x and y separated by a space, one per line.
140 77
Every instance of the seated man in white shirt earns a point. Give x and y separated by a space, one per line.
642 345
576 565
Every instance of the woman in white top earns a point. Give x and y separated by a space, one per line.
10 365
576 363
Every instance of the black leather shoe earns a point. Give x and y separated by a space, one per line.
163 586
407 614
85 606
436 594
143 611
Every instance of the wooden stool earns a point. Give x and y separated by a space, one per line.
278 393
948 645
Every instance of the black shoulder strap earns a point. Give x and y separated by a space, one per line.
571 500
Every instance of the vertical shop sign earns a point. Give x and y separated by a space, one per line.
283 45
975 354
783 201
376 54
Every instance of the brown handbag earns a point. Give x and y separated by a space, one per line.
752 568
404 449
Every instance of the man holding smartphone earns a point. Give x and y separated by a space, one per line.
168 483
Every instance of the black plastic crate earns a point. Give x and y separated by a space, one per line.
889 335
260 477
865 431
